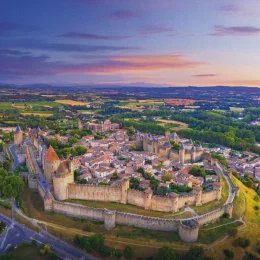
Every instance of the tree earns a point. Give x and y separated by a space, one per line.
115 254
81 150
140 170
128 252
195 253
134 182
13 186
242 242
167 253
228 254
3 175
114 175
167 177
162 191
76 174
197 171
7 165
97 242
233 232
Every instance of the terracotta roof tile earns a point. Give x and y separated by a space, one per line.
51 155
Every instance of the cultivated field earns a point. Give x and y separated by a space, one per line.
71 102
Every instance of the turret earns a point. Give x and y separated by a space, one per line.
18 136
51 164
193 154
48 201
62 178
182 153
199 147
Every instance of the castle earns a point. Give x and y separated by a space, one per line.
187 152
58 185
103 127
60 177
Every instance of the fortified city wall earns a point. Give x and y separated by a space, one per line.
144 199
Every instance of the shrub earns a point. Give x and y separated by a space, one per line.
167 252
229 254
256 207
256 198
233 232
53 256
115 254
23 243
225 215
128 252
242 242
88 227
34 242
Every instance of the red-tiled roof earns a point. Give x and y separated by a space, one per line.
51 155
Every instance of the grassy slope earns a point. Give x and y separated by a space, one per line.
251 218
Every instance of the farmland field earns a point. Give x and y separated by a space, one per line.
71 102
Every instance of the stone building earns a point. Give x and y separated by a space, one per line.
187 153
103 127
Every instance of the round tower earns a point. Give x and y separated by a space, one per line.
51 164
217 187
193 154
110 219
62 178
189 230
18 136
182 153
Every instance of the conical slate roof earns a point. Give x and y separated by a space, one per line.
182 146
51 155
18 129
48 194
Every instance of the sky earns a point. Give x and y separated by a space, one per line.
130 42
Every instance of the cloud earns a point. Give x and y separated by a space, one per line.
156 29
33 66
67 47
123 14
230 8
13 52
7 27
205 75
91 36
25 66
131 64
235 31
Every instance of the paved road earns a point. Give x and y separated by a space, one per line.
15 157
16 233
